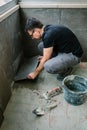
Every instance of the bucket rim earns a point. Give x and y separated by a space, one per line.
64 86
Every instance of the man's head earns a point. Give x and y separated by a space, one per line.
34 28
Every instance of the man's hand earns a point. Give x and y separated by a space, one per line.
46 56
33 75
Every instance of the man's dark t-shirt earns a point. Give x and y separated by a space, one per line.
61 39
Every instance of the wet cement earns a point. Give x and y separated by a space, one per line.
18 114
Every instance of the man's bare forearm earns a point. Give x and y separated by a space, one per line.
41 65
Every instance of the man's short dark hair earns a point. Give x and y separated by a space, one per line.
32 24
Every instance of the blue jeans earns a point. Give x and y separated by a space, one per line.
60 62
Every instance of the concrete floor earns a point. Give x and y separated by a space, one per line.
18 114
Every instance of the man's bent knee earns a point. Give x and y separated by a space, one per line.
50 68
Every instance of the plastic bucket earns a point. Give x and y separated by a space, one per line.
75 89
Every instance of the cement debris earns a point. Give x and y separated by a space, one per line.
51 93
39 111
50 102
51 106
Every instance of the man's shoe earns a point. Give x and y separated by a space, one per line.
61 76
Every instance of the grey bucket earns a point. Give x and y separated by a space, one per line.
75 89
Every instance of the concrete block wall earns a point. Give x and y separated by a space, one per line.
74 18
10 50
